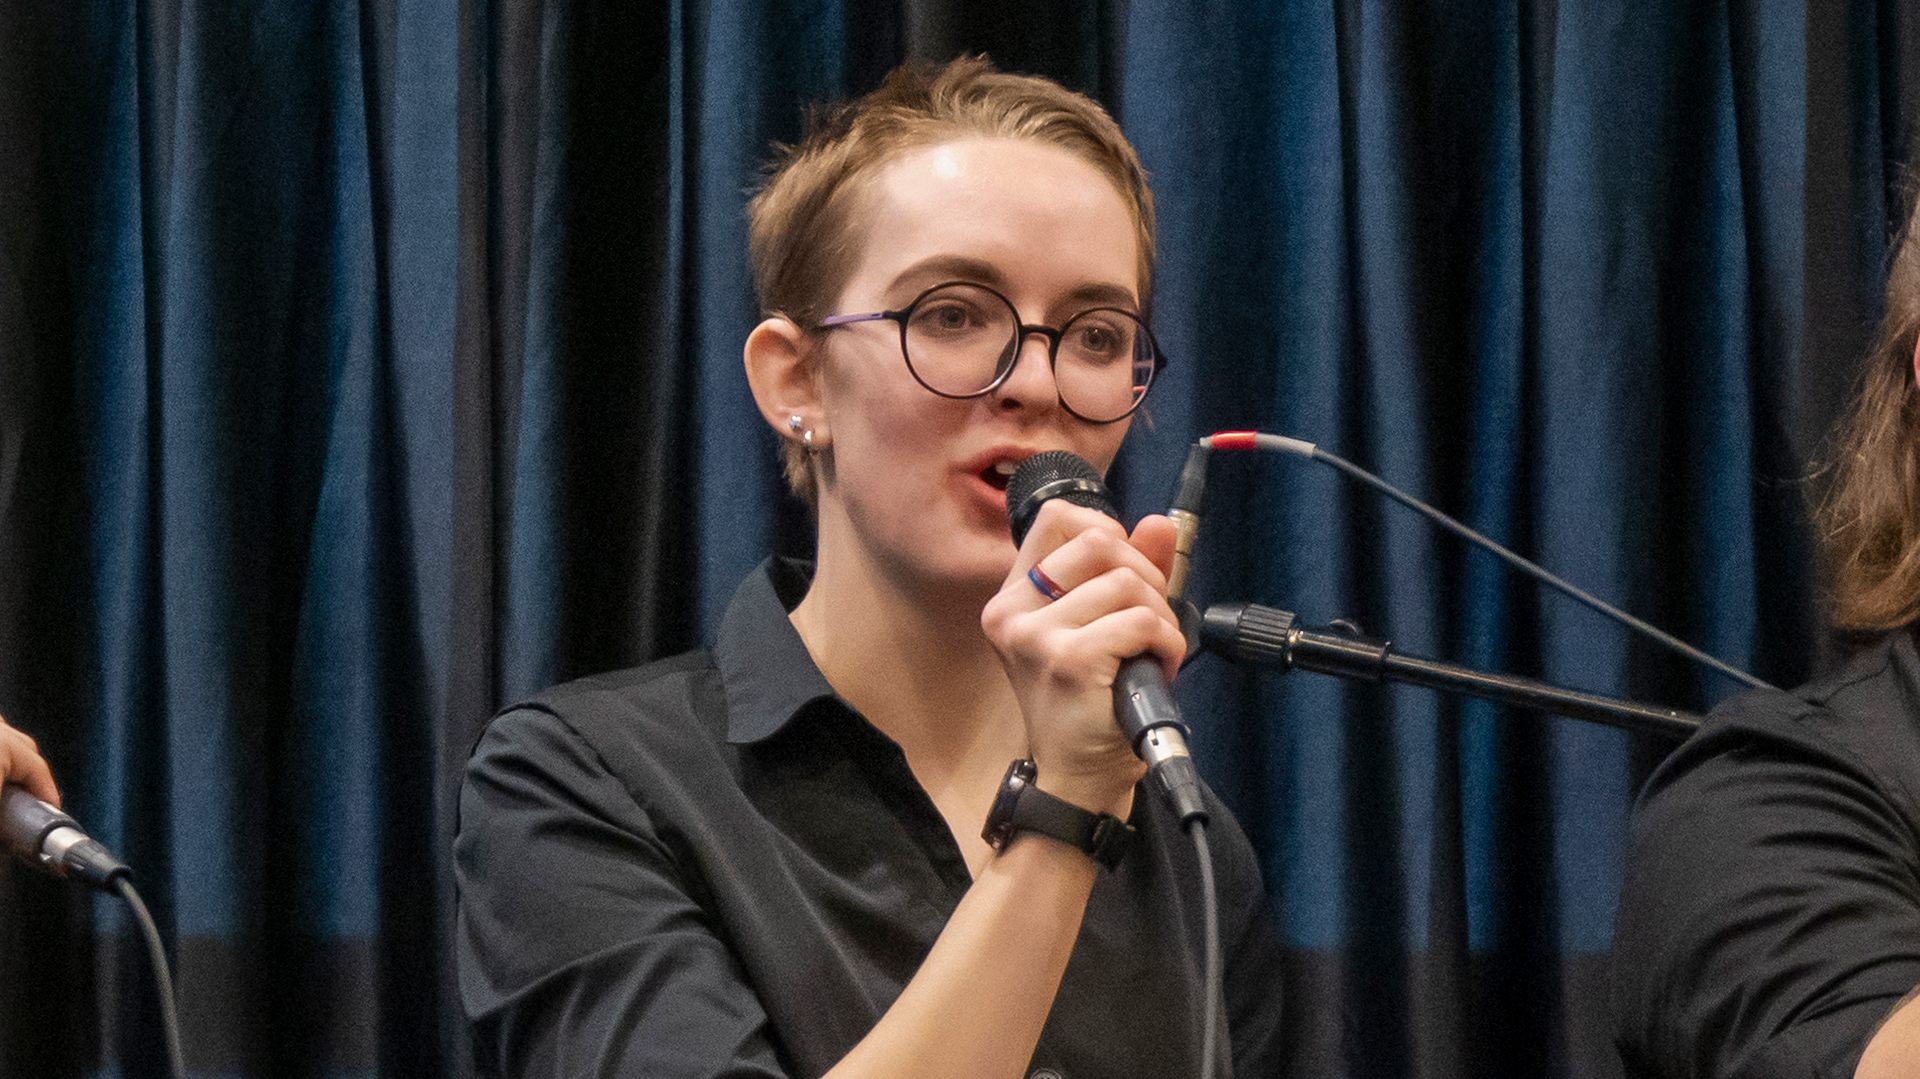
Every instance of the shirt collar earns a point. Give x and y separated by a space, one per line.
765 669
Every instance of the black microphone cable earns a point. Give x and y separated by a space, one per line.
1251 440
1185 514
48 839
1143 706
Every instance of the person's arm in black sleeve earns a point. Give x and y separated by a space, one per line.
1771 913
581 951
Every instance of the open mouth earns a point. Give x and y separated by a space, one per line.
997 474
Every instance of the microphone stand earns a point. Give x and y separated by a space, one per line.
1248 633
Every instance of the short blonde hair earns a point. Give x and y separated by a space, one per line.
802 239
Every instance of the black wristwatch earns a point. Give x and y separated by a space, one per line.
1023 807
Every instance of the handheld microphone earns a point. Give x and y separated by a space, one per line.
42 836
1142 704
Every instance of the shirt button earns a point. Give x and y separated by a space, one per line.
1045 1073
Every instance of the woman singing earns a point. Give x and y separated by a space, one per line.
766 858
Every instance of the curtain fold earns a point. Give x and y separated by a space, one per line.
368 365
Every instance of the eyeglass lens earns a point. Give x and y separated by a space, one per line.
960 338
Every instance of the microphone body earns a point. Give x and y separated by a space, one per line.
1142 704
42 836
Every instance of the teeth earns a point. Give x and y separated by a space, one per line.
1006 468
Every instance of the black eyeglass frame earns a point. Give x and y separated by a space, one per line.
1021 330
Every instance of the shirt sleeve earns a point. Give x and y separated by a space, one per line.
1771 914
582 949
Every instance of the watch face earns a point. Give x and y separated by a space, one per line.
999 827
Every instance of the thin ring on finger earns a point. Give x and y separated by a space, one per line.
1044 584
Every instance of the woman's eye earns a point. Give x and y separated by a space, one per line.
948 316
1097 340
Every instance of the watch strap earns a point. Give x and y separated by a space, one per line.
1023 807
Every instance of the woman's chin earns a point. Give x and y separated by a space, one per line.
973 569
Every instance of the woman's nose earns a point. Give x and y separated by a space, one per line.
1030 384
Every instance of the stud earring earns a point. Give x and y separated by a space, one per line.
806 436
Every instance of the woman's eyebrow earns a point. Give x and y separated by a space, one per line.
938 268
1105 295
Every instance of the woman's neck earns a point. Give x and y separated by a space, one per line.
911 657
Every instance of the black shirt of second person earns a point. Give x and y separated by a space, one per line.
1771 913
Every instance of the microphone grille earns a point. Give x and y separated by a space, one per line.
1050 475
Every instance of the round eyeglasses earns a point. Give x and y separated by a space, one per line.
961 340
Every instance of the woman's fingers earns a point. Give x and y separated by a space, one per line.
1084 566
1061 523
1058 523
1083 597
1116 614
1154 536
1070 545
21 763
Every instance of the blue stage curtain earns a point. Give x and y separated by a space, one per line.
365 366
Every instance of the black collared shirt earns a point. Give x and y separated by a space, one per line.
1771 912
713 866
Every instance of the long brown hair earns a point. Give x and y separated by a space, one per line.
1869 521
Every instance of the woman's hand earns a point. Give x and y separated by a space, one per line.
21 763
1063 655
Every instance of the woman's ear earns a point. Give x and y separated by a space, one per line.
783 374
